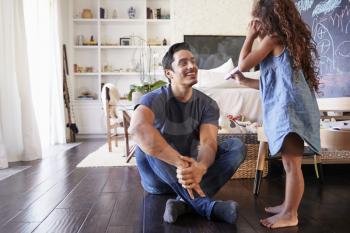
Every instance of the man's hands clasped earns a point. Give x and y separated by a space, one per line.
190 175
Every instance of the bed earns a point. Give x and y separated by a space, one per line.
232 98
235 101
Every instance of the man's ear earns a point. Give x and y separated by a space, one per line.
168 73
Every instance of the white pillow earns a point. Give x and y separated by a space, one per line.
114 98
209 78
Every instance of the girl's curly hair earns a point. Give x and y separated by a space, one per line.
281 18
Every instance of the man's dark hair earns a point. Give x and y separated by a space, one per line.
169 56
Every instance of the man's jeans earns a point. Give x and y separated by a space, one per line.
158 177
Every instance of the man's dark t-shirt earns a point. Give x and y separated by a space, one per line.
179 122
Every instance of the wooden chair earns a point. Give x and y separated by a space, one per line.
129 151
330 139
116 126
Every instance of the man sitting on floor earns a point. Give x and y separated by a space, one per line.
175 128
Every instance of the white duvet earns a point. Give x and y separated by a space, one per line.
234 101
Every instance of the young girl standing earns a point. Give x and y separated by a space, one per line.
288 81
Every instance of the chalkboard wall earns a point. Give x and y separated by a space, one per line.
329 21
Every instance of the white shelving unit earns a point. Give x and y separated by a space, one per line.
124 46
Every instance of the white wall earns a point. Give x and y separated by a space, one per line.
210 17
64 5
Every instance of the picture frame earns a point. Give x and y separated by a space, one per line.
125 41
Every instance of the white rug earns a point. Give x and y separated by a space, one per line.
102 158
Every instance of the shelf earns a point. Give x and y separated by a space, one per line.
120 47
85 74
107 21
85 47
85 21
159 46
86 101
158 20
115 74
120 73
133 47
110 54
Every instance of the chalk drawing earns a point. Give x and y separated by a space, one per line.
325 47
341 20
329 21
304 5
326 7
343 49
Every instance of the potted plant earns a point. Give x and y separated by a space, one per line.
145 88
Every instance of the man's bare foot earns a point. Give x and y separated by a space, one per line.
280 220
275 209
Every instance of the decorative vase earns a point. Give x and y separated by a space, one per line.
132 12
115 14
87 14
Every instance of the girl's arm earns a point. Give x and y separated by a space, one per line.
248 58
248 82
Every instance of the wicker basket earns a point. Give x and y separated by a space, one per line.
247 168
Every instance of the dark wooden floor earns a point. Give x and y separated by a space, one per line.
55 196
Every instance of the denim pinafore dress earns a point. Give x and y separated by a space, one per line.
289 106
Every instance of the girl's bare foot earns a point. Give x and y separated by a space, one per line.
275 209
280 220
